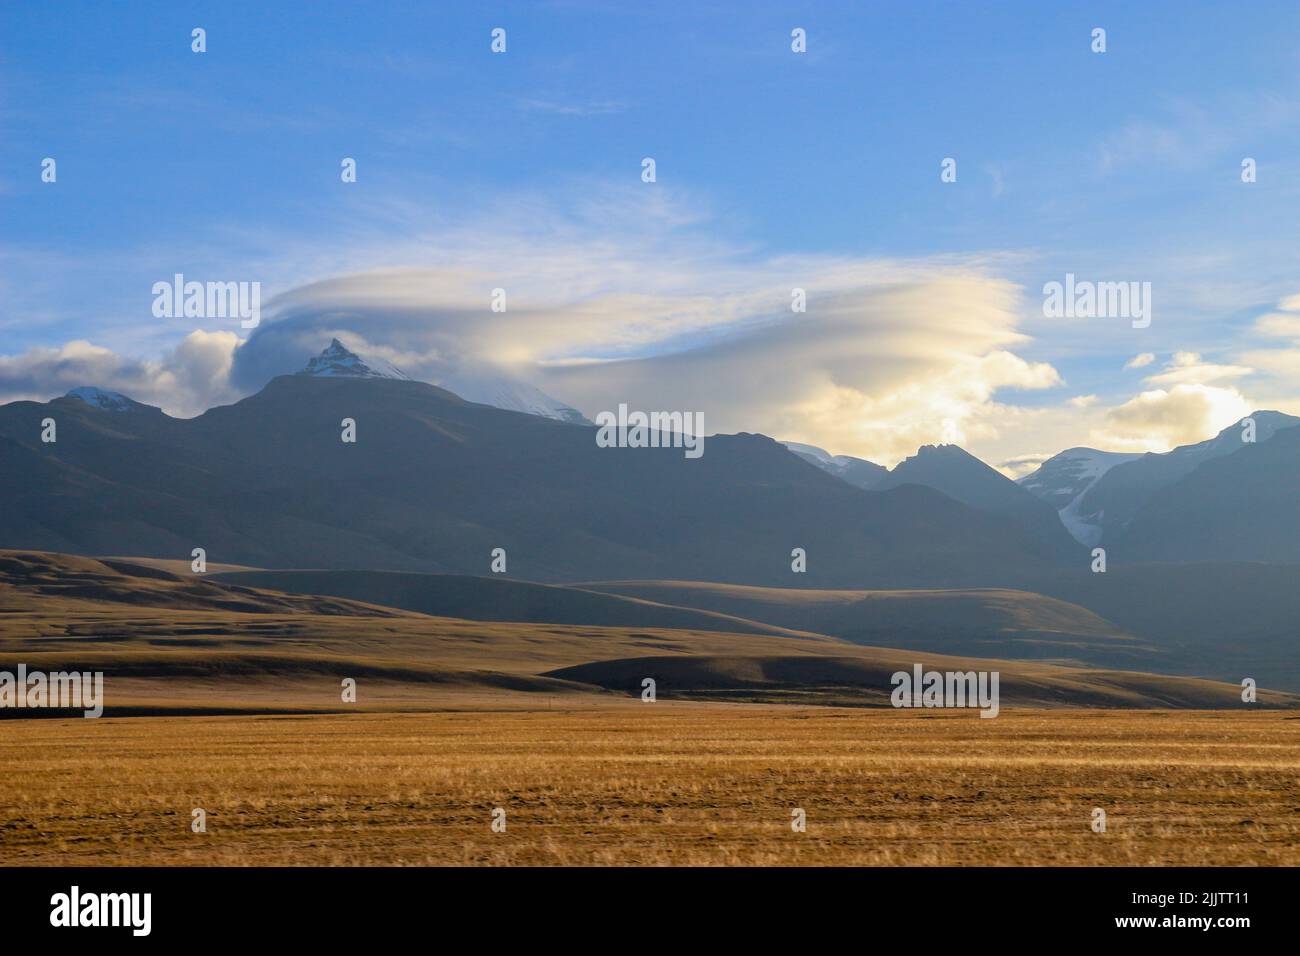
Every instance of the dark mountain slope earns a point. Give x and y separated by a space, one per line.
435 483
1240 507
1124 490
963 477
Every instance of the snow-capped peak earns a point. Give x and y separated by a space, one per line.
102 398
856 471
338 361
485 385
812 451
1064 479
1065 476
498 388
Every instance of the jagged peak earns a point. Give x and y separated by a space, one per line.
336 360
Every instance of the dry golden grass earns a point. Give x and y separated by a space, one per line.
668 783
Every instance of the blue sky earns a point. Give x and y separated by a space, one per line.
1116 166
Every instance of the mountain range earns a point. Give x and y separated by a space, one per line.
961 476
1200 541
435 483
1229 498
1102 496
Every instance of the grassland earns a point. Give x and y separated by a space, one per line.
663 783
227 698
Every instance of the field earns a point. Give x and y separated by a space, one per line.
662 783
227 698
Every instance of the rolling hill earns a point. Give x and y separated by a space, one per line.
289 653
988 622
496 599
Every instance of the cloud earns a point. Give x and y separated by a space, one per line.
887 356
631 295
619 294
572 108
1278 325
1283 324
187 380
1187 368
1023 465
1160 419
1140 141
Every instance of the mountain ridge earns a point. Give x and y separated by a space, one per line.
435 483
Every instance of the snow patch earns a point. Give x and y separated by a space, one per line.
338 361
102 398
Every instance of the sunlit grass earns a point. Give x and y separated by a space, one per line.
656 785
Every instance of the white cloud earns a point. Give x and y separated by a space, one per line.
1278 325
616 295
189 379
564 107
1023 465
1141 360
622 296
888 355
1188 368
1160 419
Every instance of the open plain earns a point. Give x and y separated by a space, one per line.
627 783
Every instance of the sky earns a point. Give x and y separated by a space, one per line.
775 170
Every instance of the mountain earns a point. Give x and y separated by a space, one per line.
435 483
1121 492
485 387
109 401
1243 506
1063 479
338 361
957 474
964 478
504 391
856 471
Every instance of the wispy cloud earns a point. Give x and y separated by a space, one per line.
572 108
